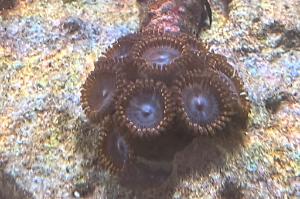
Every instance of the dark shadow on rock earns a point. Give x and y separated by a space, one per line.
162 148
139 177
200 156
7 4
87 145
231 190
151 177
143 174
87 141
206 153
9 189
273 102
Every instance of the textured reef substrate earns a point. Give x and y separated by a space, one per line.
48 48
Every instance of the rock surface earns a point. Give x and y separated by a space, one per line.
47 48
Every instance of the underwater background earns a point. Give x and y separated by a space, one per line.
48 48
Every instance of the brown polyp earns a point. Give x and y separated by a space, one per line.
122 47
219 63
109 159
206 81
172 46
132 91
103 73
